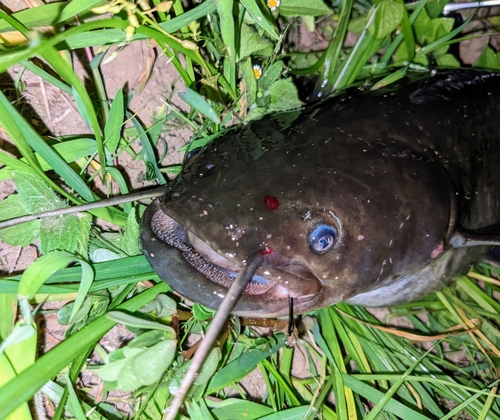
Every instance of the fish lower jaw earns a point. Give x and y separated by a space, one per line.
201 257
281 283
267 280
275 283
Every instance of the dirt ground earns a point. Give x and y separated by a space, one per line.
55 113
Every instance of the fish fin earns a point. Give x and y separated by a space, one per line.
488 235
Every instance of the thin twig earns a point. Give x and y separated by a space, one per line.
225 308
156 192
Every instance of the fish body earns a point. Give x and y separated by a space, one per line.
367 198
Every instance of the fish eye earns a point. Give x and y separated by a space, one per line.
322 238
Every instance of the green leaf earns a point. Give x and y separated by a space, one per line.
65 315
450 61
150 365
284 96
164 306
85 37
488 59
60 233
236 409
66 232
209 367
442 27
443 40
73 399
374 395
8 314
14 23
225 11
76 7
18 411
147 339
35 194
20 333
358 24
261 19
14 164
80 93
253 44
290 8
256 113
435 7
365 47
199 103
20 235
202 313
330 61
122 184
250 81
111 371
25 385
114 124
82 108
424 31
388 16
296 413
108 275
271 74
408 36
391 78
150 157
130 242
142 362
70 151
136 322
83 289
40 270
242 366
198 410
85 225
43 15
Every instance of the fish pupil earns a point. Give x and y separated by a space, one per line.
322 238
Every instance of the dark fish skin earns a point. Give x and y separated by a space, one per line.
395 172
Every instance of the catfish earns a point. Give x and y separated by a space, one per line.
374 198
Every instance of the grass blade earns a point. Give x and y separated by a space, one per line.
24 385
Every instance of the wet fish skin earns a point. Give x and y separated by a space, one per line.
396 172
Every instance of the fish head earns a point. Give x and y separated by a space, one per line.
333 217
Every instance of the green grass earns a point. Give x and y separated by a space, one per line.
361 369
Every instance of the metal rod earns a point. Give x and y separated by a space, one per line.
156 192
453 7
215 328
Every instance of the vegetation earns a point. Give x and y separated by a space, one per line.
237 63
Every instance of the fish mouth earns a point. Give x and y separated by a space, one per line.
199 273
